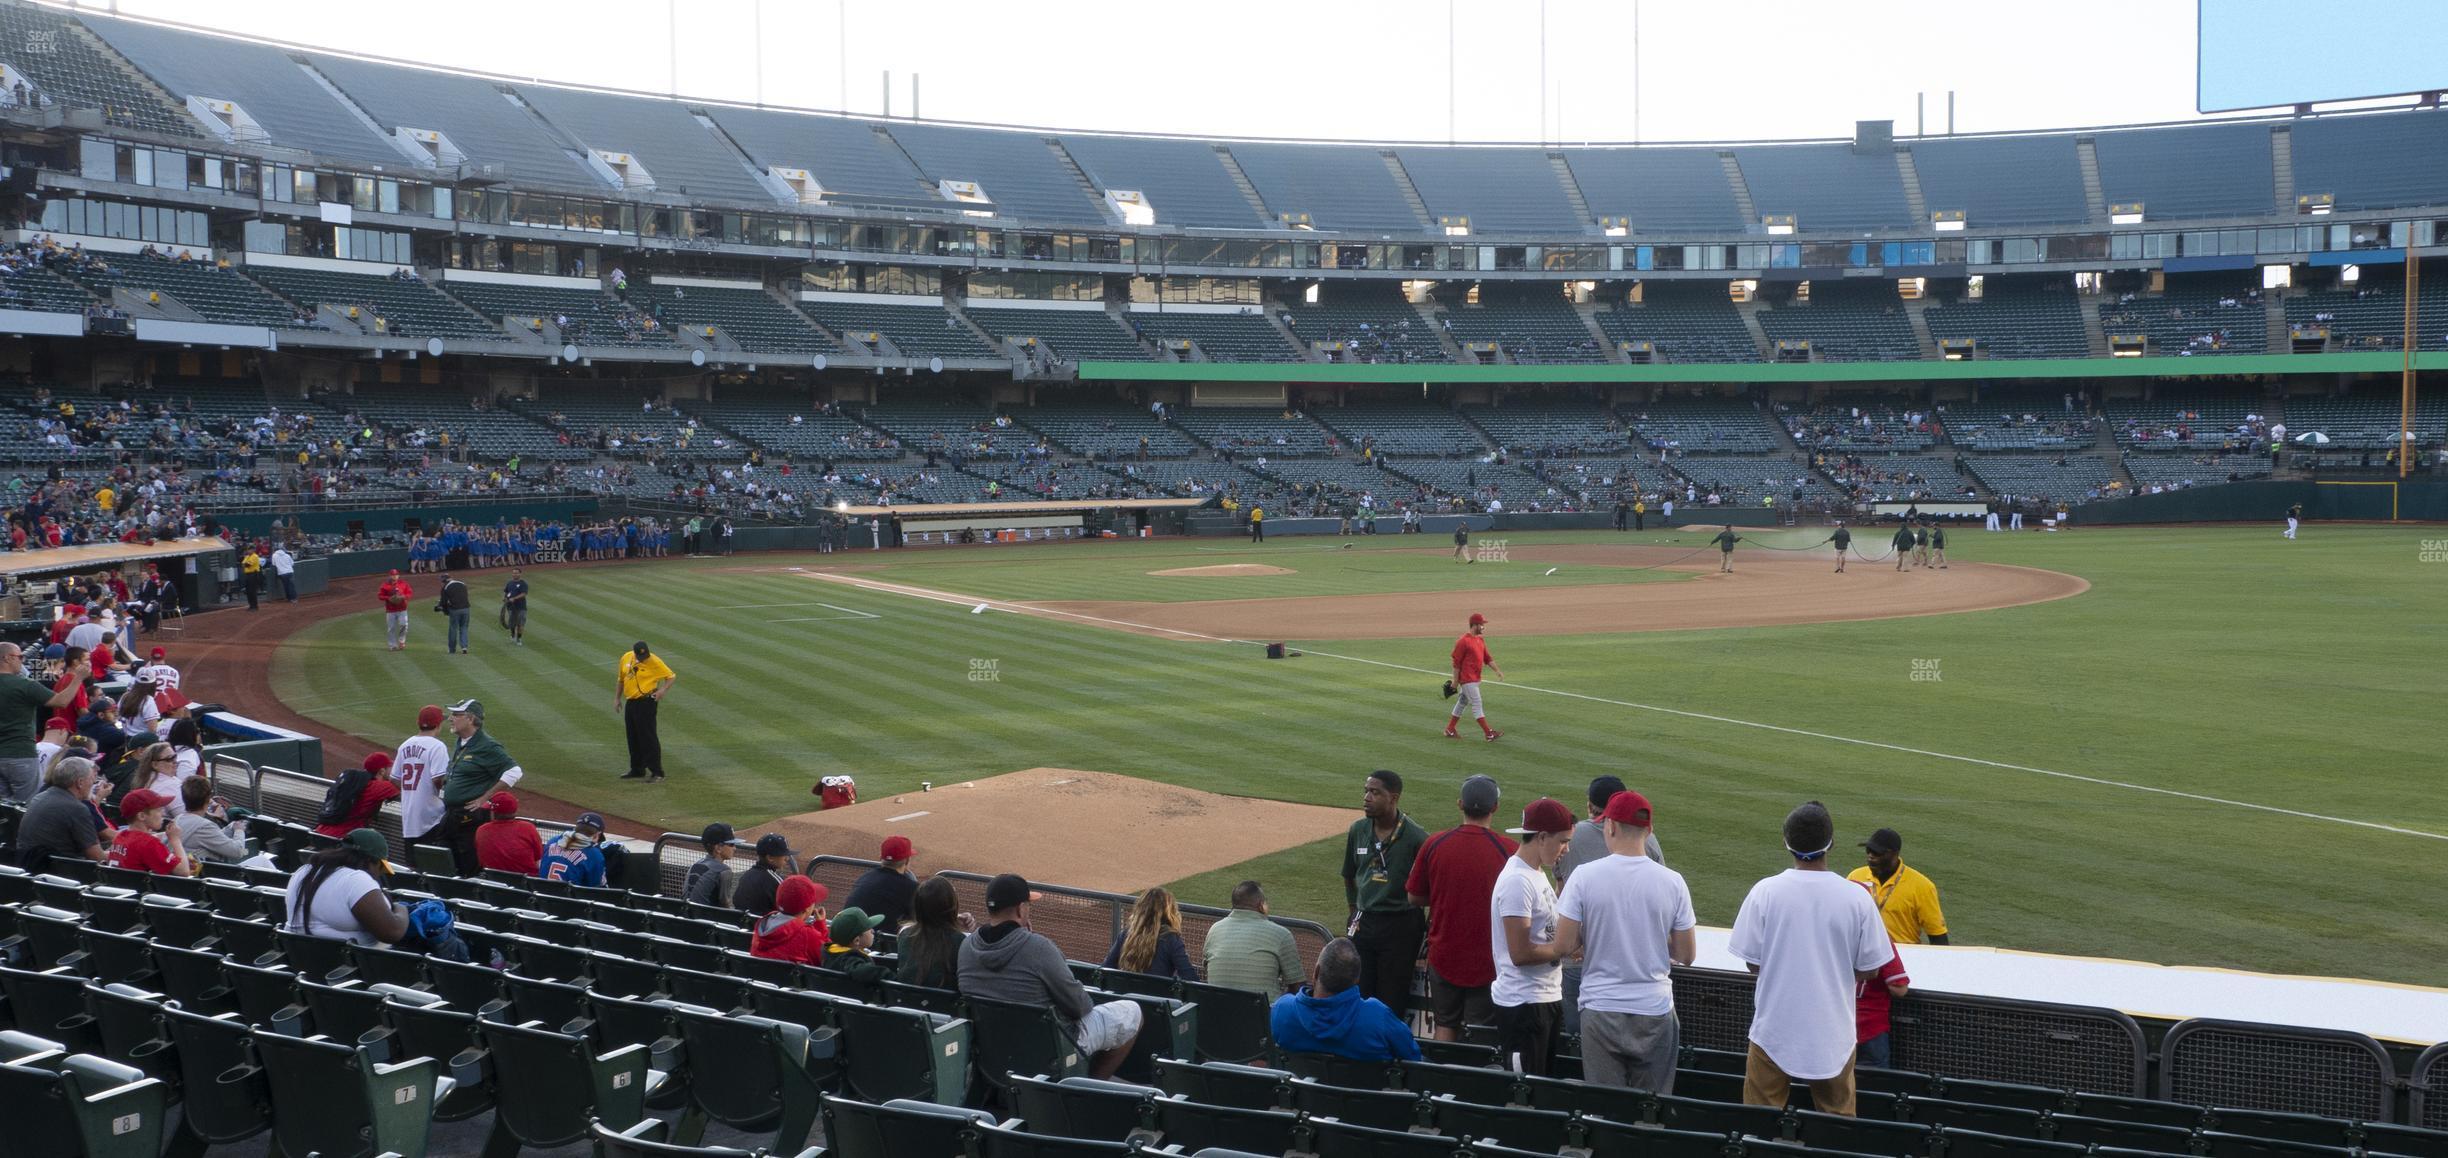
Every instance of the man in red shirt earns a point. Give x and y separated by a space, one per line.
395 595
1470 653
1454 878
1873 997
506 842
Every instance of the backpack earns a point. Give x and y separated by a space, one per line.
341 799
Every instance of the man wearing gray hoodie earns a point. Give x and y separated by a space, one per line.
1007 961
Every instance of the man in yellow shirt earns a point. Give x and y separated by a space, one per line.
104 497
644 677
1907 901
250 576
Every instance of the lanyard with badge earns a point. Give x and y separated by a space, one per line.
1377 863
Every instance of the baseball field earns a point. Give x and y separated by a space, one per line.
2192 746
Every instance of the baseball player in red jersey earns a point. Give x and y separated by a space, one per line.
1470 653
395 595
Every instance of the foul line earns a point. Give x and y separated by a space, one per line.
1030 609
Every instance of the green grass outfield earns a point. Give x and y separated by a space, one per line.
2295 685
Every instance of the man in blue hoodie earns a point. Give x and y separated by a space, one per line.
1331 1017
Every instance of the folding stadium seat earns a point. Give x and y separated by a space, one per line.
1527 1129
189 889
2152 1111
76 1104
550 1003
230 897
1131 984
335 1099
1708 1085
224 1096
1013 1038
1866 1103
1234 1025
1167 1028
890 1054
345 1012
1344 1140
1382 1109
627 976
423 1025
1607 1139
51 1005
113 909
1224 1083
376 965
604 938
116 957
2223 1144
2413 1141
1770 1148
943 1001
82 872
2121 1135
467 986
242 939
1978 1144
896 1129
835 983
129 1021
1614 1103
1343 1071
267 996
2011 1121
2000 1094
309 955
754 1073
193 978
1720 1118
2311 1129
1193 1126
1491 1087
1862 1135
16 884
767 969
176 920
805 1007
549 1085
1894 1081
711 990
1088 1108
647 1140
50 935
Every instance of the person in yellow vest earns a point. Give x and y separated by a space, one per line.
1640 514
1257 525
1907 901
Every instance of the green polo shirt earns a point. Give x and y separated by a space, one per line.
1247 951
1381 872
479 762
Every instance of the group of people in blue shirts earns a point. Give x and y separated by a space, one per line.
520 544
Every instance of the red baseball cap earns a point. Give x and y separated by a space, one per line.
63 723
159 653
1544 815
429 716
799 894
377 761
140 800
895 848
503 804
1629 807
1477 619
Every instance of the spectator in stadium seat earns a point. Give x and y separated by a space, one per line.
576 856
506 842
1151 940
885 890
101 725
1907 900
850 946
1809 935
1331 1017
21 776
793 930
59 824
709 880
1245 950
762 883
147 842
206 827
1008 961
1379 853
379 789
1630 920
337 895
1453 878
930 943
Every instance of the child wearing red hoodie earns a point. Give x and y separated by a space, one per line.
795 930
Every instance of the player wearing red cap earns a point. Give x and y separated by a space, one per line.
1470 654
395 595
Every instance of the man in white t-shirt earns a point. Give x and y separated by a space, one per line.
1529 988
418 766
1629 919
1810 935
284 567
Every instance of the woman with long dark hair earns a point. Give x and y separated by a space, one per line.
930 943
336 895
1151 940
187 743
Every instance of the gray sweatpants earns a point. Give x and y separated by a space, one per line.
20 777
395 624
1629 1050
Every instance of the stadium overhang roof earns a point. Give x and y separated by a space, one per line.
2203 366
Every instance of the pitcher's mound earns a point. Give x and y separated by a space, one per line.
1225 570
1061 826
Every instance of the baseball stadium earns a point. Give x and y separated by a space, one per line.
541 618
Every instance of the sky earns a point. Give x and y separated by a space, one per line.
1365 69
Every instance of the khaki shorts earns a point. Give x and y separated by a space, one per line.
1766 1085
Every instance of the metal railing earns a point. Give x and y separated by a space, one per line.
1085 923
2252 1066
2430 1086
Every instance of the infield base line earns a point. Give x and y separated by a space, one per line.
2101 781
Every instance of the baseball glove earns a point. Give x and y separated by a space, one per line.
1449 689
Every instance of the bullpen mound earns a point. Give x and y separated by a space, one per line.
1223 571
